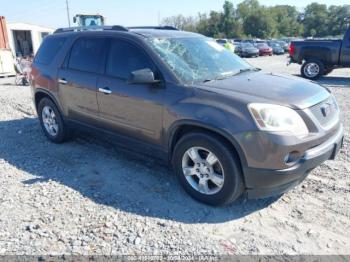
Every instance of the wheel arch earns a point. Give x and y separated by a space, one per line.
42 93
182 128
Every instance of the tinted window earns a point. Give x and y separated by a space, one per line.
87 54
221 41
125 58
48 49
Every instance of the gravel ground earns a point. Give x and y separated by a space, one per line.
89 197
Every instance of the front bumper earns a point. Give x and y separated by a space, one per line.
249 54
268 182
265 53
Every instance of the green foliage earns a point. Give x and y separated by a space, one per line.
250 19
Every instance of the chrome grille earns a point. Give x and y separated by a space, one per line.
326 112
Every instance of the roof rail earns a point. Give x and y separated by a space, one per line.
166 27
91 28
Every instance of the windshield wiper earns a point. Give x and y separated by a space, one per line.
248 69
214 79
232 74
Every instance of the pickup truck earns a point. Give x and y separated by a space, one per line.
320 57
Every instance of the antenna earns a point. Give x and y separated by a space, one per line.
68 16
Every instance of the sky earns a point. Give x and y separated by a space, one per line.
52 13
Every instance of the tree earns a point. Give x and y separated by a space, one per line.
286 18
247 7
339 19
316 17
231 27
181 22
255 20
313 32
259 24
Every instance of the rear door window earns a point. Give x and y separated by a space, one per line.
125 58
49 49
87 54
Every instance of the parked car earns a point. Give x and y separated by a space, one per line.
224 126
256 42
264 49
227 44
221 41
284 45
246 50
320 57
251 41
276 48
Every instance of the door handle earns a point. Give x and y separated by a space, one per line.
105 90
62 81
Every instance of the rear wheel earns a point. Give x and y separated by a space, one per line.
51 121
312 69
208 169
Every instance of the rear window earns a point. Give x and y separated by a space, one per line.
49 49
87 54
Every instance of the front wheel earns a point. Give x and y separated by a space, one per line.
312 69
208 169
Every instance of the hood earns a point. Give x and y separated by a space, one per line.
270 88
265 48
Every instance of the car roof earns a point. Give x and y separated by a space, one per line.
164 33
148 32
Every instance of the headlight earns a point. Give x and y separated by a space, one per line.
277 118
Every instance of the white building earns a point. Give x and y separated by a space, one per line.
25 39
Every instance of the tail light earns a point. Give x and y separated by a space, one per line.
291 49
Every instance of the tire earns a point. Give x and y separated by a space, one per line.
57 122
226 168
327 71
312 69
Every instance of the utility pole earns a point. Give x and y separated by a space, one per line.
68 16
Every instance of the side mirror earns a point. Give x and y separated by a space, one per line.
142 76
74 19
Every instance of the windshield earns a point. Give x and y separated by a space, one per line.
248 45
92 21
197 59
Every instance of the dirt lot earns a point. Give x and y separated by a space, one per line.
89 197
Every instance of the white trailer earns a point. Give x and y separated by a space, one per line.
7 66
25 39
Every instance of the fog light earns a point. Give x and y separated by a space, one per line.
292 157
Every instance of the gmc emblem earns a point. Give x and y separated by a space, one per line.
326 109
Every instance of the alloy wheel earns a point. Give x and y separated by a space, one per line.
49 120
311 70
203 170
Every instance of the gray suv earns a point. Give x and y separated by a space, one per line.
224 126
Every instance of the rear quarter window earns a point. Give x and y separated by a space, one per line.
49 49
